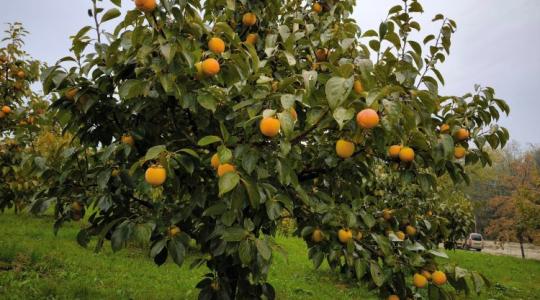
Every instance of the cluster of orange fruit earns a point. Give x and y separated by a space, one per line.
221 169
155 175
344 235
420 280
210 66
462 134
367 119
6 110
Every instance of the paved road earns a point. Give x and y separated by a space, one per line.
512 249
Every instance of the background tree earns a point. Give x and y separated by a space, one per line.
200 123
515 216
20 110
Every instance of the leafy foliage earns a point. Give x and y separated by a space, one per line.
151 94
20 118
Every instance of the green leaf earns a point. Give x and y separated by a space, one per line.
263 249
244 252
121 235
342 115
228 182
154 152
337 90
287 123
207 101
209 139
132 88
158 247
370 33
368 219
216 209
376 273
360 268
234 234
168 52
448 145
110 14
383 243
393 38
177 251
103 178
253 193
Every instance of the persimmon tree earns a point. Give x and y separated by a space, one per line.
202 123
19 114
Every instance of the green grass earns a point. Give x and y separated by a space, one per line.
511 277
34 264
44 266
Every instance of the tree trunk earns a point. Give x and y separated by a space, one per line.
521 246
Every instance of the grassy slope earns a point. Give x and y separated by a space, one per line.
511 277
57 267
46 266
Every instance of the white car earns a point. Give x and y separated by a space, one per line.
474 241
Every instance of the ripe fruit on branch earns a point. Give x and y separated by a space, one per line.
173 231
367 118
410 230
249 19
358 87
127 139
344 149
419 281
317 236
76 206
393 297
146 5
216 45
210 66
317 8
426 274
459 152
71 93
294 115
155 175
444 128
344 235
462 134
438 278
6 109
21 74
400 235
225 168
252 38
387 214
214 161
394 150
406 154
321 54
270 126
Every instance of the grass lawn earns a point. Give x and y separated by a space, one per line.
34 264
511 277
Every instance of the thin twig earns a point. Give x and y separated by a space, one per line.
97 22
433 56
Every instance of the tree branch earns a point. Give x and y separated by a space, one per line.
303 134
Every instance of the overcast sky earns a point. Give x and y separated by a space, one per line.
497 44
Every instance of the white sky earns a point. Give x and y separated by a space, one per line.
497 44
